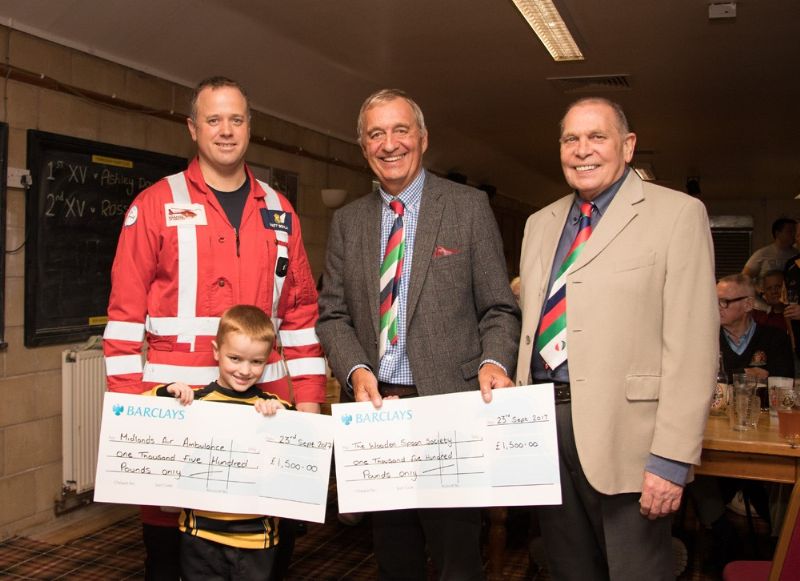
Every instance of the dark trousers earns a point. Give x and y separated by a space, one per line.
162 559
593 536
204 560
452 535
287 533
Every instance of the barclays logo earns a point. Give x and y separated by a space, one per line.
383 416
346 419
149 412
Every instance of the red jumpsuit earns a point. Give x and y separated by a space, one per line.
180 263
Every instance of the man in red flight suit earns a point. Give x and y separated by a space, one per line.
191 246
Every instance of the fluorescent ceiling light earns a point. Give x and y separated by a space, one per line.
645 171
548 25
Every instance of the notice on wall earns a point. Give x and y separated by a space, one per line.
448 450
213 456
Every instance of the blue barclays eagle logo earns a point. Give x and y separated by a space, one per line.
346 419
118 409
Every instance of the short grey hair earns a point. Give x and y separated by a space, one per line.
385 96
619 114
741 280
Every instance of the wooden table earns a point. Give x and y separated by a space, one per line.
755 455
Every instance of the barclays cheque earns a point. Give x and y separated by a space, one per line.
213 456
448 450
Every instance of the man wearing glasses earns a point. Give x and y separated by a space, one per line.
758 350
745 345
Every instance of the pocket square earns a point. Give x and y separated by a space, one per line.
440 251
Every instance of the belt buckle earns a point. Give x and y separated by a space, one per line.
562 393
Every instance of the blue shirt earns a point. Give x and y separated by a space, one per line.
739 346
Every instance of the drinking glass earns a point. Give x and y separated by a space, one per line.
745 404
789 426
781 394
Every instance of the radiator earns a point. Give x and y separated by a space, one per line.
83 383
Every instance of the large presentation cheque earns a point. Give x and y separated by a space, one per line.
213 456
448 450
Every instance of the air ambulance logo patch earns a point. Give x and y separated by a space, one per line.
185 214
277 220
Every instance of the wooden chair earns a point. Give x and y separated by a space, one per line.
785 564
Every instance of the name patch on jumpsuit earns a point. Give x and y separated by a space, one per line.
277 220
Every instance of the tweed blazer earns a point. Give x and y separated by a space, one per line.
642 325
460 310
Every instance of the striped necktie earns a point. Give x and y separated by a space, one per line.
551 340
391 269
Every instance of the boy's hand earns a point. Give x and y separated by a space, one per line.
268 407
182 392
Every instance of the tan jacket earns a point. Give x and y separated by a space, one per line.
642 322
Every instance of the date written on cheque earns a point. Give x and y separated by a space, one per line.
506 419
295 440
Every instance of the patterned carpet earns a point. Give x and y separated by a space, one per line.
329 552
115 552
324 553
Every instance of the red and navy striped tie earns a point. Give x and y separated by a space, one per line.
391 269
551 340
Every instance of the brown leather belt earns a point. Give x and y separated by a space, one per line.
561 392
396 389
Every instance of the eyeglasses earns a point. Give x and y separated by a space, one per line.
725 303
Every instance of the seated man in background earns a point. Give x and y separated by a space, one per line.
770 311
758 350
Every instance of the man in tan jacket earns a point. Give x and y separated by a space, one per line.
619 312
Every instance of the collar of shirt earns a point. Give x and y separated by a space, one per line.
601 201
739 346
409 196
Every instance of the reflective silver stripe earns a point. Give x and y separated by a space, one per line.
124 331
299 338
194 326
123 364
273 372
274 203
161 373
306 366
187 258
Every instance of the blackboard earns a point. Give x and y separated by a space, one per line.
78 198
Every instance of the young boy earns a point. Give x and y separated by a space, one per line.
218 545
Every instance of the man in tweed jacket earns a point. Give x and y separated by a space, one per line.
458 323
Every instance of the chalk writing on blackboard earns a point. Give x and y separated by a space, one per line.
81 190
